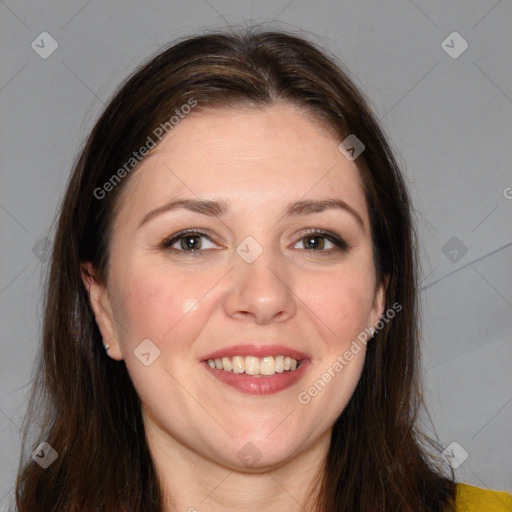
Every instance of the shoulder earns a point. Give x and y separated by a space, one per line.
475 499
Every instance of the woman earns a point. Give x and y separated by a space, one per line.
231 317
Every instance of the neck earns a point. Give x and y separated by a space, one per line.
194 483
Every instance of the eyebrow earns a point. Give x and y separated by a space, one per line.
221 208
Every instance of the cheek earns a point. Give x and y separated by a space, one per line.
162 308
340 303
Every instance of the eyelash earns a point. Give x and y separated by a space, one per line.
312 233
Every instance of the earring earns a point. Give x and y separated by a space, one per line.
373 332
106 347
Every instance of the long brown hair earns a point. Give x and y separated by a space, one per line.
83 403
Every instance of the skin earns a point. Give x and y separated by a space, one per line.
315 300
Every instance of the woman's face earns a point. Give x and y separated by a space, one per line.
252 281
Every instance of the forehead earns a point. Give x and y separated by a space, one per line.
254 158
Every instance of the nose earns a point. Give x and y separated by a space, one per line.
260 291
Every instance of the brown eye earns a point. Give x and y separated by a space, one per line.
315 241
192 242
188 241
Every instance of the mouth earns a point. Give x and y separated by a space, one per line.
256 366
257 370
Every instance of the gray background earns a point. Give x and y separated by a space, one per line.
449 120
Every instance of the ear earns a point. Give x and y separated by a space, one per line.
379 301
102 307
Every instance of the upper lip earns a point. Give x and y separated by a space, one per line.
257 351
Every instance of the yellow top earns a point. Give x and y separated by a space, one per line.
475 499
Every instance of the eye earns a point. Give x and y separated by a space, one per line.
188 241
314 241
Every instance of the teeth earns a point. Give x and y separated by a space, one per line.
267 366
238 364
251 365
226 362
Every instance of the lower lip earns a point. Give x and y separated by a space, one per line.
261 384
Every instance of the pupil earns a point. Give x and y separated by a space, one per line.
192 245
314 245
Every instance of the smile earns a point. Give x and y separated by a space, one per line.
251 365
257 383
